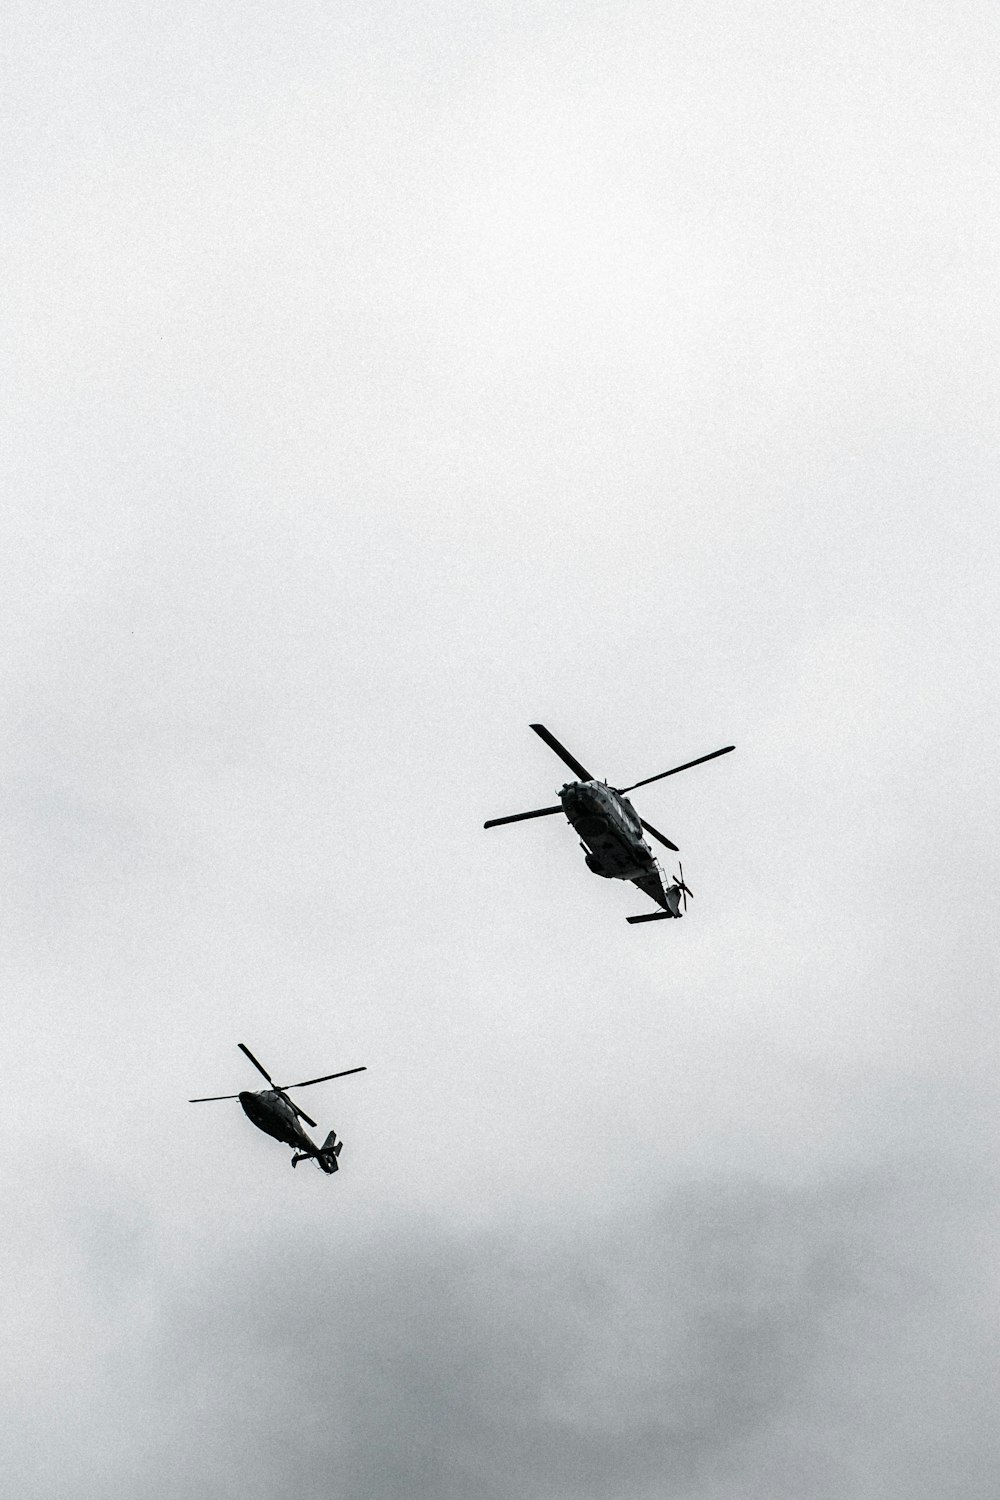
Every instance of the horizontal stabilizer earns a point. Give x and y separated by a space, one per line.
652 916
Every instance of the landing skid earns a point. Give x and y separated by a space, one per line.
652 916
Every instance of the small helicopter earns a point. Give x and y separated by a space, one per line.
273 1112
611 830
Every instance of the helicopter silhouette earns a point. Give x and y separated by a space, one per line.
272 1111
611 830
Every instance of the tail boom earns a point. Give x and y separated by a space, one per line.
324 1156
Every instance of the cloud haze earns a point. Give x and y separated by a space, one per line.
722 1337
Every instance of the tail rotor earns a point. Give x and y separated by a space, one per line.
682 887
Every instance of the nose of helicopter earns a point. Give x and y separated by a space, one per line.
252 1106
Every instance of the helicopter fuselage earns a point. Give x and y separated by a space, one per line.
270 1112
609 829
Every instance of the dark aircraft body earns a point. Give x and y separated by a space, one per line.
611 831
276 1116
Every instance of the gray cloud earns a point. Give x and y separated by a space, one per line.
727 1337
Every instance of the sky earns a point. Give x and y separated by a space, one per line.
377 383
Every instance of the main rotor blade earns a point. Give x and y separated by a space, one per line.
256 1063
540 812
210 1098
562 752
656 835
326 1077
673 771
300 1112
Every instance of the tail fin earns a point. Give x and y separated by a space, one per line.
328 1153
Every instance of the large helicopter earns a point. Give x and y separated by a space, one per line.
273 1112
611 830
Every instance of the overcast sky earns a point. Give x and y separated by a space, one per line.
377 381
